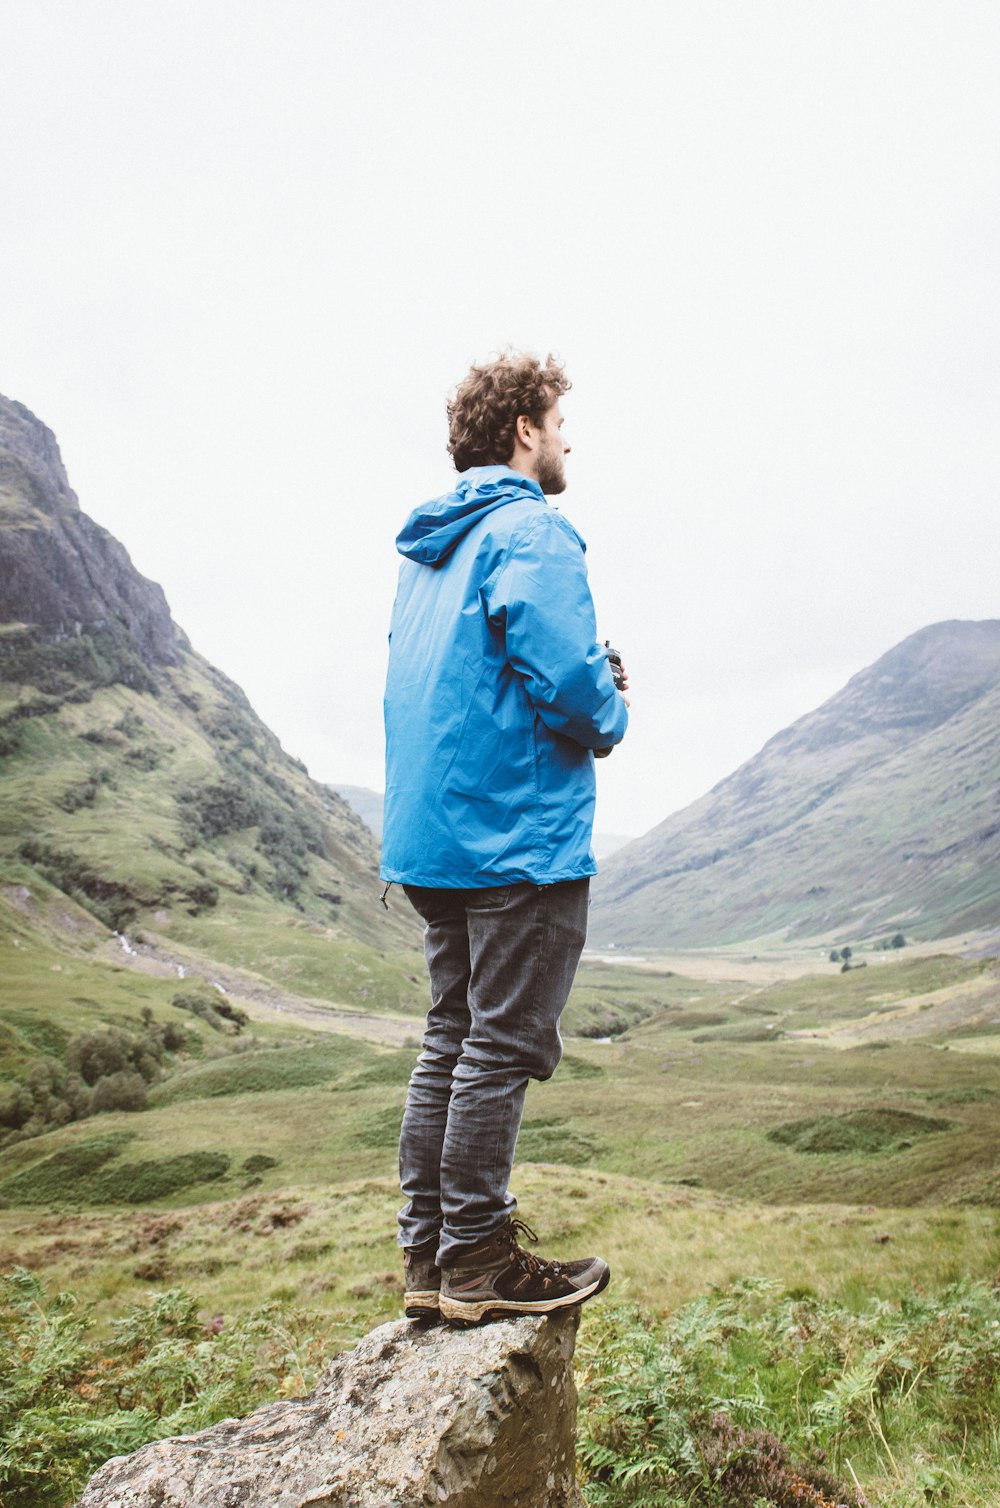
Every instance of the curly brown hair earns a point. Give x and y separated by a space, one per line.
487 403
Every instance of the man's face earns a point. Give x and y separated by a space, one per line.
549 471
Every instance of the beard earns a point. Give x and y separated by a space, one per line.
551 472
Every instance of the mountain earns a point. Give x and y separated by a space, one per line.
878 811
138 783
605 844
368 805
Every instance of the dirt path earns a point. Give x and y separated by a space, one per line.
261 999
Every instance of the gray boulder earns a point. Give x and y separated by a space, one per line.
415 1415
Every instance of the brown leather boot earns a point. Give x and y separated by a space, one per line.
499 1278
422 1279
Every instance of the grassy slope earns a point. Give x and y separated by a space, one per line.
102 786
847 837
653 1145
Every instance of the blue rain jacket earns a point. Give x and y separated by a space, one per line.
497 693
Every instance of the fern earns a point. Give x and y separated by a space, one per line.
67 1402
739 1397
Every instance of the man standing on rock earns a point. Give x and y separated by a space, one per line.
498 698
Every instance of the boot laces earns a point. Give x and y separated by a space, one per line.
527 1260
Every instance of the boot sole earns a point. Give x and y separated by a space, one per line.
470 1312
421 1303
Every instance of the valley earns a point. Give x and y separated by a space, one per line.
776 1113
719 1139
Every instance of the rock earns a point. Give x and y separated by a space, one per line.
60 572
415 1415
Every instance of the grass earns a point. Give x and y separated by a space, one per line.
260 1072
67 1174
334 1240
263 1171
97 805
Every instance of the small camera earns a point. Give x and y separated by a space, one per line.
615 661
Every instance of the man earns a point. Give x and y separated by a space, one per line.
498 698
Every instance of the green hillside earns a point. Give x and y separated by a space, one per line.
878 811
154 836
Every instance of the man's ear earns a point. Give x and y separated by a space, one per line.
524 431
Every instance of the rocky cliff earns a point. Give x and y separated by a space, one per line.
60 571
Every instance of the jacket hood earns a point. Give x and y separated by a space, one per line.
434 529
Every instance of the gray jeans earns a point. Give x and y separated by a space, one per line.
501 961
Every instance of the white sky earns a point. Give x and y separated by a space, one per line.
247 248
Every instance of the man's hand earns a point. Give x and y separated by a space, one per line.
621 686
618 671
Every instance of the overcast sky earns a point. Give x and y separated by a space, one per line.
248 248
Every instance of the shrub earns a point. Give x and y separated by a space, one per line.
130 724
106 1068
215 1010
78 1174
285 834
143 758
85 792
119 1091
63 1173
259 1162
203 896
60 666
865 1131
108 1050
257 1072
16 1106
109 900
140 1182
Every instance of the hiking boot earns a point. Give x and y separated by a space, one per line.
422 1278
498 1277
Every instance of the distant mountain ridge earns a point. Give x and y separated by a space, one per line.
136 778
881 809
369 804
